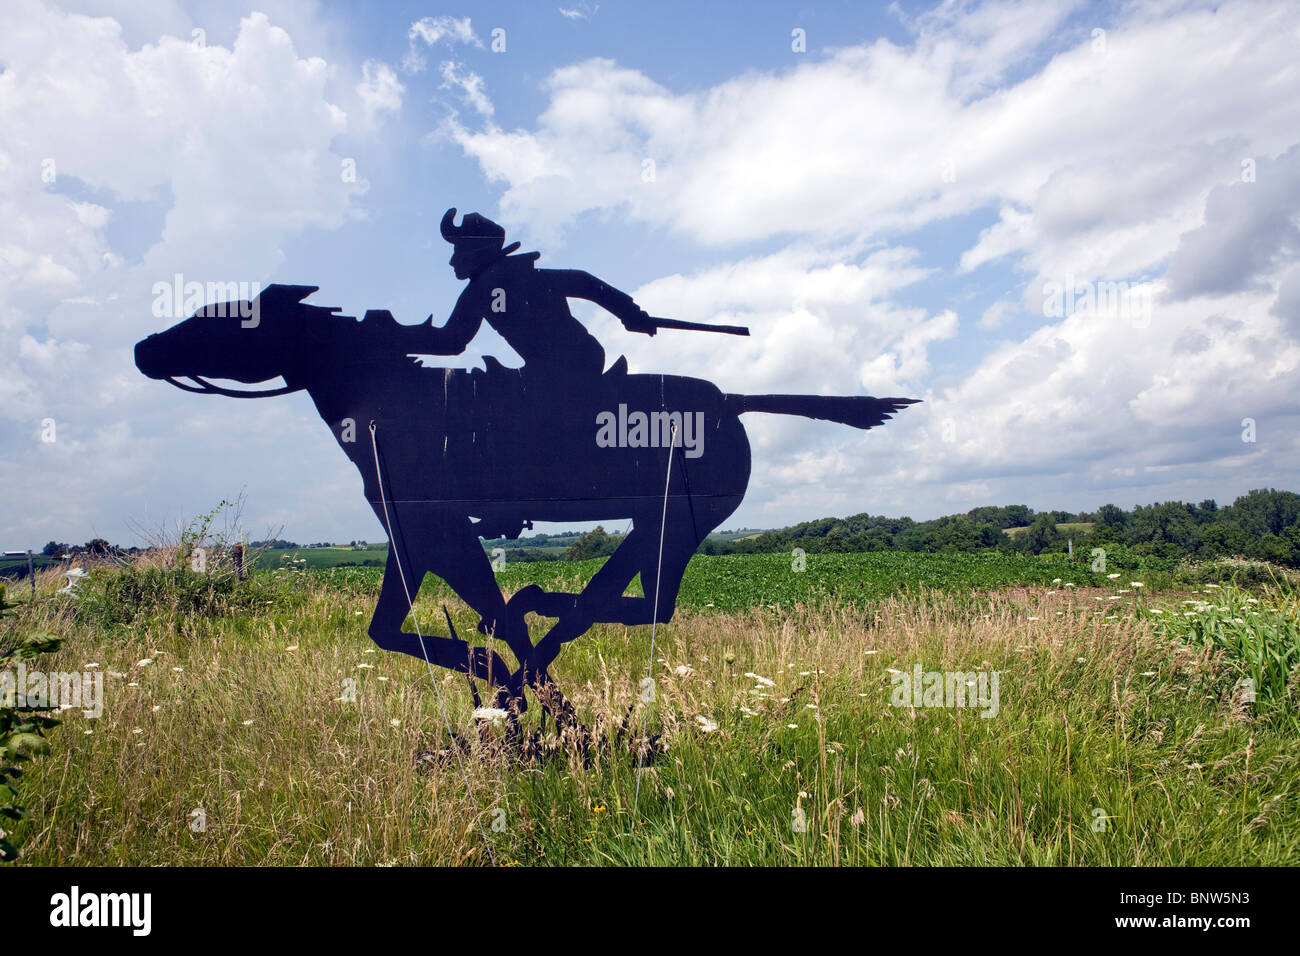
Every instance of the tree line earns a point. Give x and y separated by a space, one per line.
1263 525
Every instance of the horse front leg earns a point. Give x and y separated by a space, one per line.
391 612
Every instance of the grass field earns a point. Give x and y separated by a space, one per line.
1123 735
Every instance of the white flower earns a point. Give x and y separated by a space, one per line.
681 670
766 682
1136 584
292 647
362 667
248 723
1114 576
707 725
492 714
144 663
395 722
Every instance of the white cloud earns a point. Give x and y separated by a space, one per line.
470 85
584 11
380 90
1100 160
235 141
432 31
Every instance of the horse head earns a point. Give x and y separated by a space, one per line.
242 341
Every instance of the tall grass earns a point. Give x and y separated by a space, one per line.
1118 740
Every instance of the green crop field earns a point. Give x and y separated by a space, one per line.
1147 718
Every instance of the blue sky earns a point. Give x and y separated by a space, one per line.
887 209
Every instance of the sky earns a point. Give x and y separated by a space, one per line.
1071 229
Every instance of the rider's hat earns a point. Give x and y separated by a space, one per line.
477 238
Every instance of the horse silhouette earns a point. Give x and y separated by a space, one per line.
447 456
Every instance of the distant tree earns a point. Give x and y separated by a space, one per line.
97 546
1266 511
1041 534
594 544
1111 516
55 549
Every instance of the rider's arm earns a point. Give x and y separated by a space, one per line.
576 284
455 335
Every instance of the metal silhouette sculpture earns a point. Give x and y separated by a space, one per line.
448 456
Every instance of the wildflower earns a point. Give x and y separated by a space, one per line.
157 707
598 808
144 663
362 667
683 671
1136 584
89 666
1080 660
248 723
793 726
492 714
395 722
358 613
766 682
179 670
137 731
858 818
1114 576
1148 673
706 724
1056 580
292 647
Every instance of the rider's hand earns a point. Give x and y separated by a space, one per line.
639 321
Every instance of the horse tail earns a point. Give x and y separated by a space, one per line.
859 411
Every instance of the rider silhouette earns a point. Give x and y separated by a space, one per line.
527 306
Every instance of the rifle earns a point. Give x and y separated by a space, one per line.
661 323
